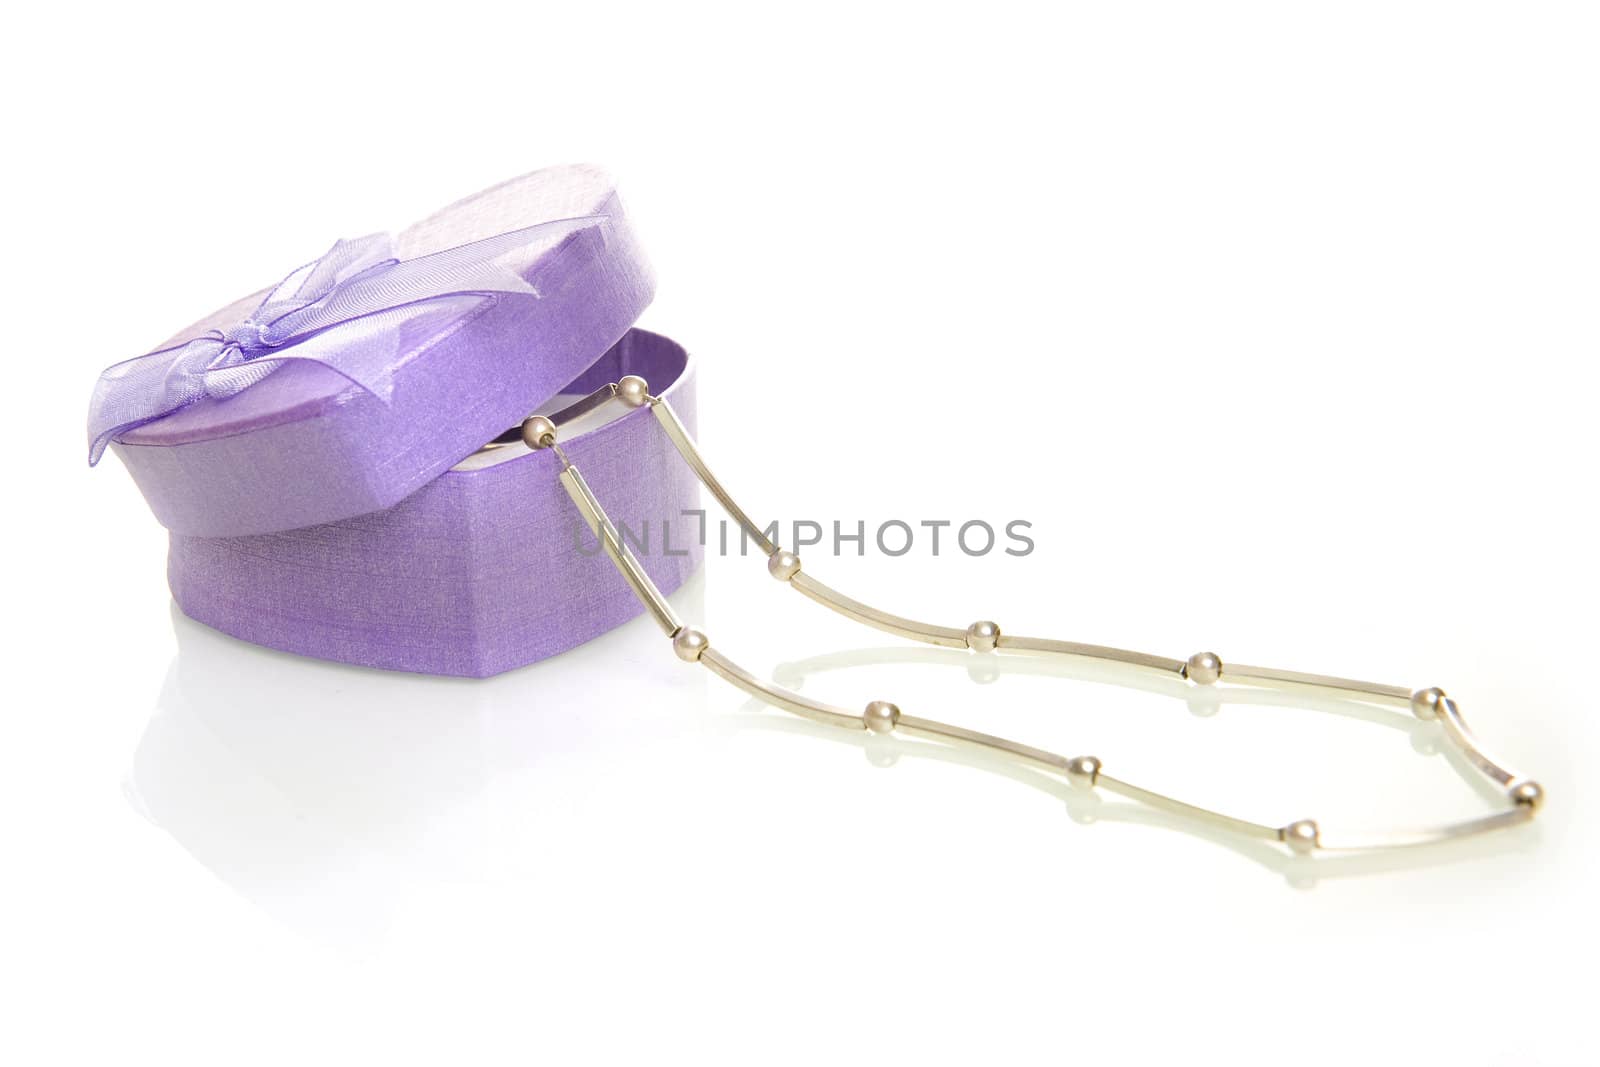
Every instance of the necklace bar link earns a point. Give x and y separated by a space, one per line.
910 629
621 557
1273 677
778 697
1007 643
679 435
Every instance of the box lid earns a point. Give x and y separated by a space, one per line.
378 409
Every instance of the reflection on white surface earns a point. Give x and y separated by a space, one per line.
329 795
307 786
314 788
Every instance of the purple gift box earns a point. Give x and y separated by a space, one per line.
317 450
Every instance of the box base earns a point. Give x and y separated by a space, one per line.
483 570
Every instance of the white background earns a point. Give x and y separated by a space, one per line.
1277 321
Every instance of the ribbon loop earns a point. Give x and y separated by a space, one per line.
343 310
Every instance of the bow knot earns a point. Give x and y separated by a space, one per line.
249 338
344 310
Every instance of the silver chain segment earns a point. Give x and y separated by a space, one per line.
1303 836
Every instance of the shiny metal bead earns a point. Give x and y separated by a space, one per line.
1526 794
633 391
538 432
1302 837
783 565
982 636
880 716
688 643
1425 702
1083 770
1203 668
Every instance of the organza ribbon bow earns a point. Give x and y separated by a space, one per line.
345 311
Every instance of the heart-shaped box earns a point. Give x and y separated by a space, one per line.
316 515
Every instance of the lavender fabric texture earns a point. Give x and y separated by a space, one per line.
481 570
305 445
